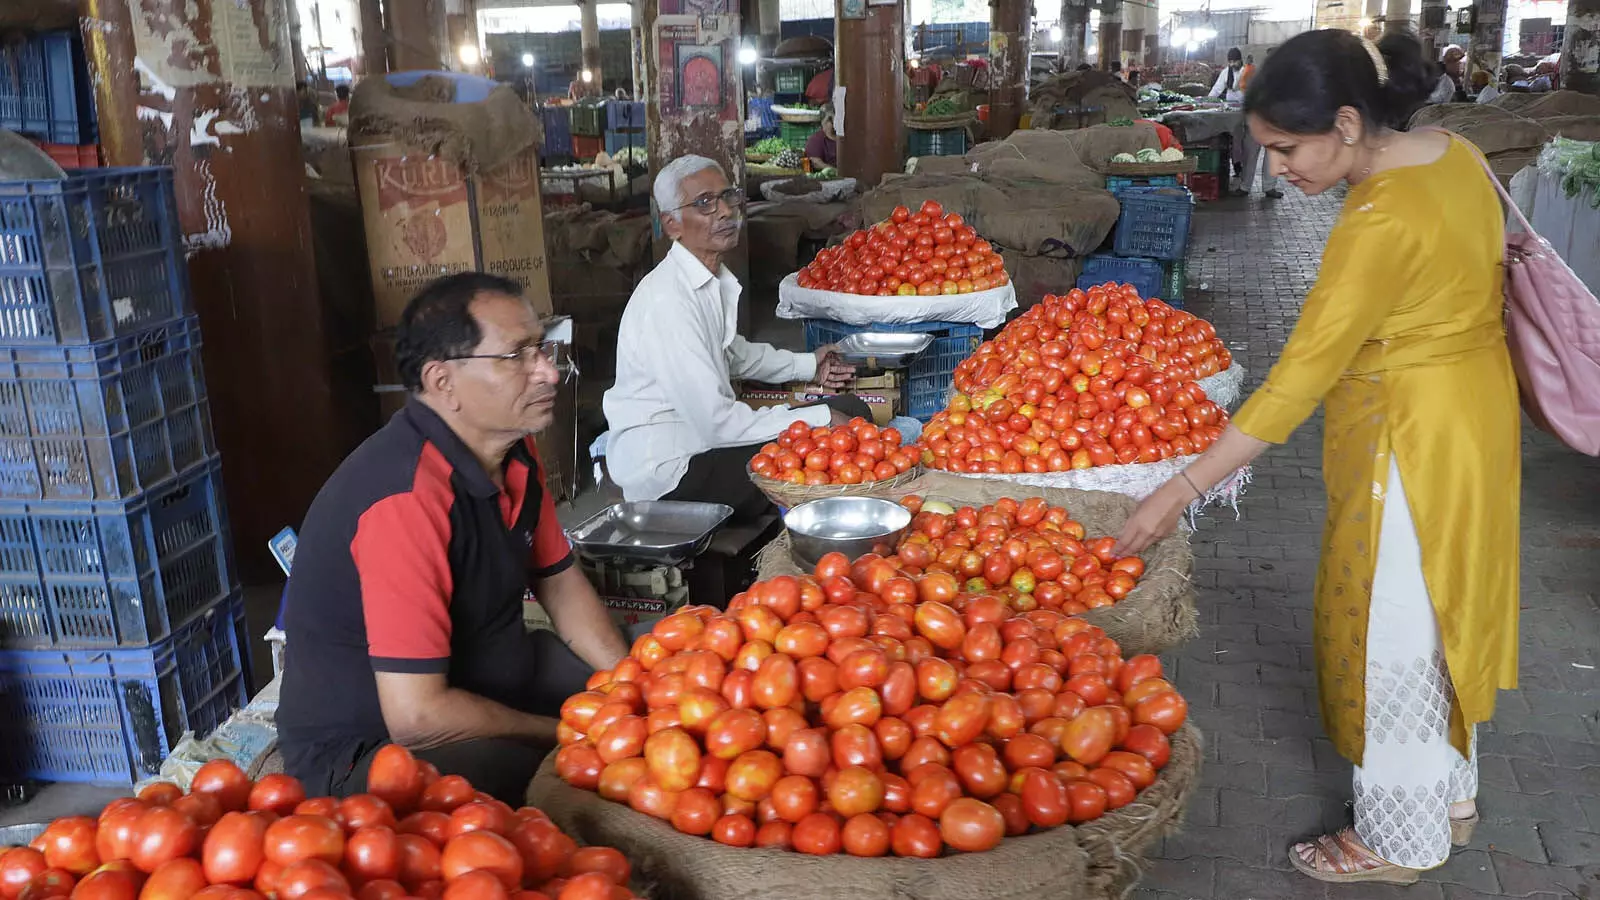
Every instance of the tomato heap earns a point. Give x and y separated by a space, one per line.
416 834
866 711
1092 378
924 253
1031 553
857 452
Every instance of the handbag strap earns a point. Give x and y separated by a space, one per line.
1493 178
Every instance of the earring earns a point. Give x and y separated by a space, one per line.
1349 141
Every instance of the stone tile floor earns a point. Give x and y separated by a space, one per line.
1270 775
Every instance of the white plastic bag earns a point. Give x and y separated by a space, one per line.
986 309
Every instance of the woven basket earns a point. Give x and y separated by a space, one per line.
801 118
940 123
1157 615
1145 170
789 495
1101 860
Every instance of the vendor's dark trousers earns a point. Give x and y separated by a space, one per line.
722 475
502 767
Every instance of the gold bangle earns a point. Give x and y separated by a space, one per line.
1199 494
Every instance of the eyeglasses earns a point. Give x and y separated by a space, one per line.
706 204
555 353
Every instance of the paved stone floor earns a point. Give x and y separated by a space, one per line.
1270 775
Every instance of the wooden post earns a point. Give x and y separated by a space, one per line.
869 63
218 106
1580 50
1009 31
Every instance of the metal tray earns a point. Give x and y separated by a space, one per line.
18 835
666 532
883 349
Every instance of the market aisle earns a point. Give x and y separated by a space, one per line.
1270 775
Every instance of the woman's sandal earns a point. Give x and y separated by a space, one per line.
1341 859
1461 830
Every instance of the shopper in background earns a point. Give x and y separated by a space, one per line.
822 148
339 113
819 89
1229 86
1415 619
678 431
1245 73
1451 86
306 99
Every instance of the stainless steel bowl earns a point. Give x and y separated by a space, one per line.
851 525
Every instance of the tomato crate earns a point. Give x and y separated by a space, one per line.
73 156
585 147
90 258
557 122
1208 160
931 371
1206 187
112 716
114 574
1154 222
102 421
44 88
1146 275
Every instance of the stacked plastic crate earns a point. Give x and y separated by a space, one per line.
624 126
45 95
1151 238
121 625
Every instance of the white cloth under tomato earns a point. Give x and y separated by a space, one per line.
678 350
1410 774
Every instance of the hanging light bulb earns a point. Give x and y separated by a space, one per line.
1055 33
527 60
469 55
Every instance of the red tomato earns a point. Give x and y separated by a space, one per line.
163 834
277 793
482 850
451 791
735 831
971 826
307 875
175 879
916 835
545 849
816 834
1150 742
1088 800
419 861
372 853
18 867
361 810
69 844
233 849
477 885
224 780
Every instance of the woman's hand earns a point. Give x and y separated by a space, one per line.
1155 518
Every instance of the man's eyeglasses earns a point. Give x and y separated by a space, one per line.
706 204
555 353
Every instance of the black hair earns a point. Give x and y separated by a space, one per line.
1116 65
1234 55
437 324
1302 89
1085 67
342 92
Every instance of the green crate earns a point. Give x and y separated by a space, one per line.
795 134
945 142
1208 160
589 119
790 81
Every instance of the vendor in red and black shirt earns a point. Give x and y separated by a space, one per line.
404 610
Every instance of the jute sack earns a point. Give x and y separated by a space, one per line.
1101 860
1157 615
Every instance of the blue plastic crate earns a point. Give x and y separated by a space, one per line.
94 257
760 109
624 114
617 141
1154 222
1146 275
112 716
1115 183
557 122
44 89
76 575
103 421
932 371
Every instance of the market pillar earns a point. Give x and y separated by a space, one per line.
1580 50
1397 17
869 64
218 106
636 49
1488 31
1435 27
417 35
1374 13
1009 30
1074 32
1110 33
374 40
589 39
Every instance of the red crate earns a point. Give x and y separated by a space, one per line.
584 147
1205 186
73 156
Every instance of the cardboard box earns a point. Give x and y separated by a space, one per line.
426 218
883 394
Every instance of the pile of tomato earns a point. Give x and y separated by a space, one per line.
857 452
416 834
871 712
1091 378
1033 554
924 253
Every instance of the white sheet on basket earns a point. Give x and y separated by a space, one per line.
1136 480
986 309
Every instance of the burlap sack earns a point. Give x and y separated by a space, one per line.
1036 276
1157 615
1111 99
478 135
1102 860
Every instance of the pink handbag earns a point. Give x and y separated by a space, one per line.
1553 331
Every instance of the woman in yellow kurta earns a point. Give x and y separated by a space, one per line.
1416 599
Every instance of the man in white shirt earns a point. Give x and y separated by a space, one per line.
677 430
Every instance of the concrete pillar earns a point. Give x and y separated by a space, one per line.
1074 32
1010 28
1397 17
222 113
637 49
417 35
1580 50
1110 33
374 39
1435 27
589 38
1373 14
869 63
1488 38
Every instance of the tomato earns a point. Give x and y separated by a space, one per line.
482 850
855 790
604 860
735 831
69 844
936 679
794 797
224 780
1044 797
545 850
18 867
117 832
933 787
857 706
941 625
289 840
162 793
894 737
734 732
1166 711
233 850
855 745
162 834
577 765
775 836
479 885
451 791
618 777
419 861
752 775
695 812
816 834
435 826
673 759
307 875
865 835
916 835
1119 790
371 853
1088 800
1090 736
362 810
971 826
384 889
807 752
1150 742
277 793
962 719
175 879
588 886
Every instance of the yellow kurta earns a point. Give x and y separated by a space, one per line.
1401 339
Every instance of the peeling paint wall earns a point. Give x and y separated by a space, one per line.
1580 52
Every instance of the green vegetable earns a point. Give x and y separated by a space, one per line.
1120 123
1123 158
1576 163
